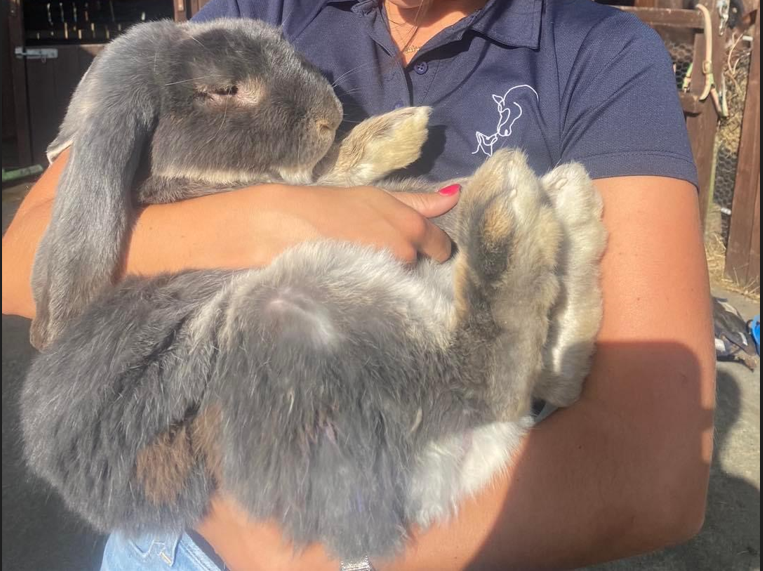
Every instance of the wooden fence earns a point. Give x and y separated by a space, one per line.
743 253
674 21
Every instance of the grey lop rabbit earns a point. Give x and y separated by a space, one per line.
336 391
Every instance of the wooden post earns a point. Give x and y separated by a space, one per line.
180 9
18 73
187 9
753 268
703 127
668 17
743 254
9 113
197 5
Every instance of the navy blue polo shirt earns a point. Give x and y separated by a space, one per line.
565 80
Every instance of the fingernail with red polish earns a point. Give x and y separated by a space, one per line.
450 190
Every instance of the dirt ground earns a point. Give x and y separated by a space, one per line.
40 535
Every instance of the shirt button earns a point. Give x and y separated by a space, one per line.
399 105
421 68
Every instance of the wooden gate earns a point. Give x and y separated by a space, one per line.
42 86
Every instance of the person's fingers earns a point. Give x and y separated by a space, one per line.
431 205
435 244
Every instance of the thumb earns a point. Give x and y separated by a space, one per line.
431 205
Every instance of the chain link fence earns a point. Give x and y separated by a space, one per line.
736 75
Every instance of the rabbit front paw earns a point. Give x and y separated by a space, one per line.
379 146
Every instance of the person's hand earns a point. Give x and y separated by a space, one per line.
250 227
397 222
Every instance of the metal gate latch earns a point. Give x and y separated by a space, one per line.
43 54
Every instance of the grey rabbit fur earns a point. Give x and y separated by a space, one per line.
337 391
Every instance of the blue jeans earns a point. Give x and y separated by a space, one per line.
159 553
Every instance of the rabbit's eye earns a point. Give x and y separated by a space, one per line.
218 94
229 91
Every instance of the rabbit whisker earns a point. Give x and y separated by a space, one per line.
349 73
202 45
349 92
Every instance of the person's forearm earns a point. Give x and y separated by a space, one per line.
19 246
586 488
239 229
626 469
165 238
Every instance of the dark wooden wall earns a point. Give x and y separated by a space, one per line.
50 86
35 92
9 114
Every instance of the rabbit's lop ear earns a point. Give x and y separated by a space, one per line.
116 106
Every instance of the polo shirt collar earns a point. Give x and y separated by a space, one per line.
514 23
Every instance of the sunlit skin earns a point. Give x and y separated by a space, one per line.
415 22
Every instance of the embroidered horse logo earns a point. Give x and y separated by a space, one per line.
506 121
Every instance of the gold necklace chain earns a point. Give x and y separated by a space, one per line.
391 21
410 49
